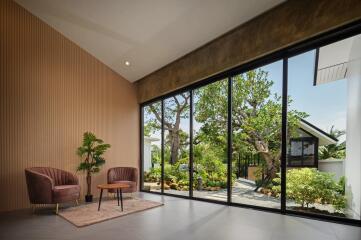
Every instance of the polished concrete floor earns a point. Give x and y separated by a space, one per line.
177 219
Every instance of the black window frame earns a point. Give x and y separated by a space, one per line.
292 158
313 43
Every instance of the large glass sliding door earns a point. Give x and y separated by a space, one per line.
323 161
229 140
152 159
210 141
176 144
256 140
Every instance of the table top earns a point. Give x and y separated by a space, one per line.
113 186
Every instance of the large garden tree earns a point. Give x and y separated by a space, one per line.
256 116
176 108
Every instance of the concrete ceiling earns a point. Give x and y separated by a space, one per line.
148 34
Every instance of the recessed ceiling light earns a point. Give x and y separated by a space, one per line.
127 63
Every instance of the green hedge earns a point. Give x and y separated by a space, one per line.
213 173
307 186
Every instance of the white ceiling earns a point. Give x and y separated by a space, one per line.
148 34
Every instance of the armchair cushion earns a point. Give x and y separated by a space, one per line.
66 193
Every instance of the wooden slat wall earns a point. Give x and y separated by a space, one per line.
51 91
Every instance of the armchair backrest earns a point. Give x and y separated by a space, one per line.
39 186
122 174
41 181
60 177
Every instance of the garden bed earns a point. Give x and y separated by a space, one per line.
317 211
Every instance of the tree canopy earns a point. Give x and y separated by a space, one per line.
256 118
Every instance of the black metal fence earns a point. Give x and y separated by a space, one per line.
242 161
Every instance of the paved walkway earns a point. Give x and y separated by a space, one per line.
242 192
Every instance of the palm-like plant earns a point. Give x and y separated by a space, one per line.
334 150
91 152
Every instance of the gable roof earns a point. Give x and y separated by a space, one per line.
323 137
332 61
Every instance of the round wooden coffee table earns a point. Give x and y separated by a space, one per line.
117 186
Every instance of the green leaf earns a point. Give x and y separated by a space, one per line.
83 166
91 151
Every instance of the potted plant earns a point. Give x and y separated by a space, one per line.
91 152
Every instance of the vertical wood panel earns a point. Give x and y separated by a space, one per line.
51 91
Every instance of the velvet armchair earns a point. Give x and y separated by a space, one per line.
51 186
128 175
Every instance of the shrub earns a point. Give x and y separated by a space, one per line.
208 166
307 186
212 172
153 175
342 184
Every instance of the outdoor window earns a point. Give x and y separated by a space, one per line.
283 135
176 144
152 118
256 145
303 152
322 86
210 141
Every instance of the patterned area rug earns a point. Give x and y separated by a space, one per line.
88 214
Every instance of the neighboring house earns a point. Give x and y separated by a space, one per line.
303 150
342 60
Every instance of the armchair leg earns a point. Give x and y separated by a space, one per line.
33 207
57 209
77 202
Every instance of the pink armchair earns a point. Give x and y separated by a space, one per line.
128 175
51 186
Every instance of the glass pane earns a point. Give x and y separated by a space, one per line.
210 141
257 123
308 148
325 106
176 144
152 117
296 148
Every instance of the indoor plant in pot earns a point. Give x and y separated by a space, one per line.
91 152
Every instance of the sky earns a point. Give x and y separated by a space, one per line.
326 103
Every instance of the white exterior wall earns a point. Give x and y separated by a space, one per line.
147 155
353 144
334 166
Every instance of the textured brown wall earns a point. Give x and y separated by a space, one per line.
51 91
287 24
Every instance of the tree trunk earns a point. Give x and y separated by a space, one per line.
174 147
271 166
89 183
262 148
